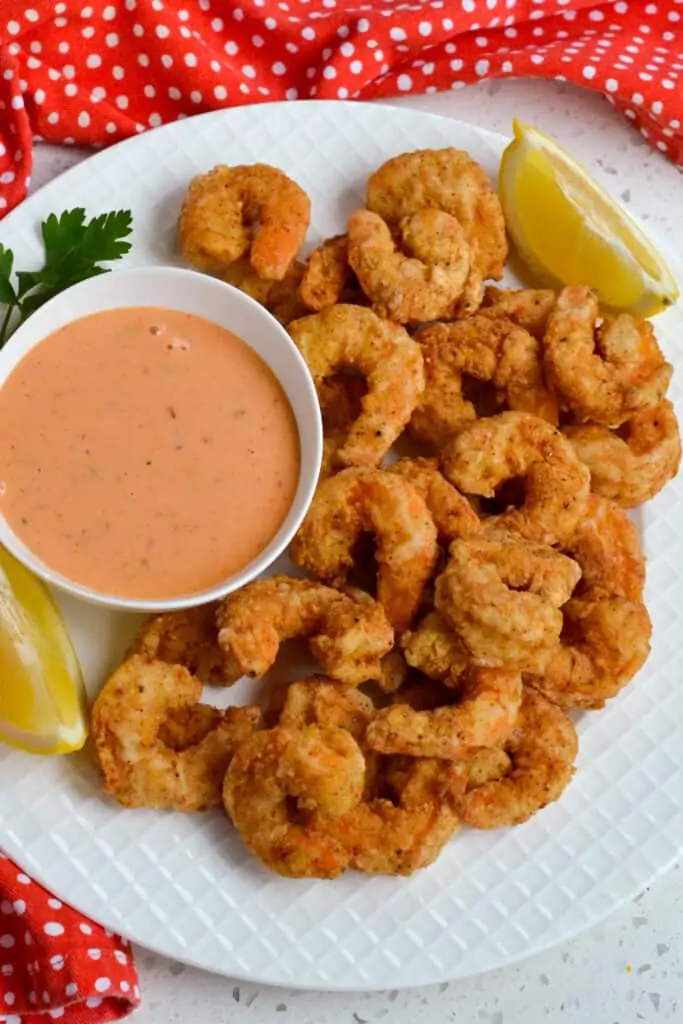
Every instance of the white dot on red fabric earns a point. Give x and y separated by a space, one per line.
279 68
6 941
668 84
17 103
7 970
57 962
23 879
162 31
231 48
71 989
54 927
93 1002
109 127
102 984
404 82
588 72
33 63
196 96
249 71
397 34
456 65
191 60
13 27
356 66
329 72
117 72
138 30
481 41
481 67
425 28
9 998
143 60
53 117
56 1013
185 32
270 23
88 32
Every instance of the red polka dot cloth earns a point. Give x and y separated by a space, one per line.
91 72
54 963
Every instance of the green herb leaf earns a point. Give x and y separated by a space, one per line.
74 251
7 294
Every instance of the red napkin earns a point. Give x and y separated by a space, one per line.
55 964
91 72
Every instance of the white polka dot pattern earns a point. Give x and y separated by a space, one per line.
301 49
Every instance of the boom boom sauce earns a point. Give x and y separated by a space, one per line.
146 453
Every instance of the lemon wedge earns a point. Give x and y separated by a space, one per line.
42 698
568 230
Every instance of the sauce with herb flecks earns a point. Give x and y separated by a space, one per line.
145 452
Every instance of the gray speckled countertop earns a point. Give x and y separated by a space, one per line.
628 969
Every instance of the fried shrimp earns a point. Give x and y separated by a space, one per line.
487 709
541 751
607 548
527 307
605 641
141 770
417 277
606 374
328 278
633 464
322 701
340 400
342 337
275 782
349 637
384 504
434 649
281 298
474 351
502 598
188 638
514 445
451 511
407 825
448 180
233 210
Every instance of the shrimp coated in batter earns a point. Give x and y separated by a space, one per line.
416 277
451 511
517 445
607 547
233 210
382 503
502 596
478 351
348 637
344 336
527 307
486 711
142 767
278 779
541 750
603 374
633 464
448 180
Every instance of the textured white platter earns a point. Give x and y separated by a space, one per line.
184 885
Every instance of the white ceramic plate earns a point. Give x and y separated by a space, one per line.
184 885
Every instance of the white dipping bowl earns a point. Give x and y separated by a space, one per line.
188 292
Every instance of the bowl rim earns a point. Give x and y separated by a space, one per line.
306 396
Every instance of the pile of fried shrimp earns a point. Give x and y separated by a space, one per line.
460 601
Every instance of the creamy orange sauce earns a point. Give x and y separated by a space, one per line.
146 453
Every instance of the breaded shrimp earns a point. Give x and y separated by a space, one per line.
607 548
541 752
340 404
222 209
434 649
319 700
487 709
451 511
348 637
188 638
502 598
518 445
141 770
475 351
605 641
420 278
344 336
634 464
407 826
448 180
527 307
606 374
328 278
277 779
386 505
281 298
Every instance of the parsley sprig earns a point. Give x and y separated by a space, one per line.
74 250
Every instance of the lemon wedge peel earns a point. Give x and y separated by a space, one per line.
42 696
568 230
